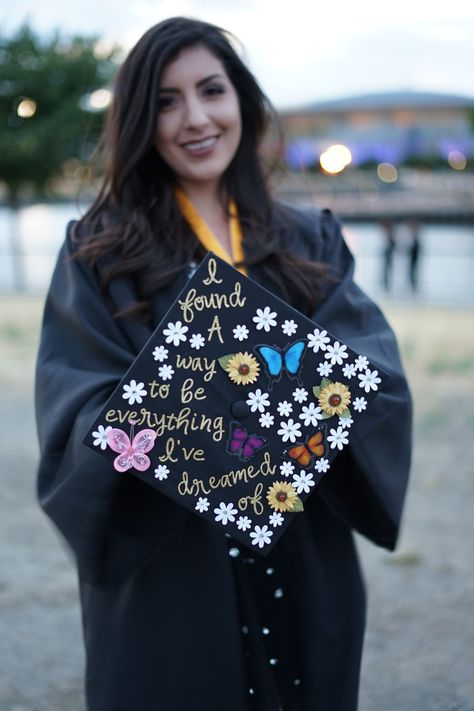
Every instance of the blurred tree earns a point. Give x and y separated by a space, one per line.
51 111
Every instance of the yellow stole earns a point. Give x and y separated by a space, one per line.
207 237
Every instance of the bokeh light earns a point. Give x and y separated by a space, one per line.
26 108
335 158
96 101
387 172
457 160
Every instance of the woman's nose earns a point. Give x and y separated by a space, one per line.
195 113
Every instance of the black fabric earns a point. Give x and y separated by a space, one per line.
268 627
162 607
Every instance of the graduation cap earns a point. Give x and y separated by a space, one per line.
236 406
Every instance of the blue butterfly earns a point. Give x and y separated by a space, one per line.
276 360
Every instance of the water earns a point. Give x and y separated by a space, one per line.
446 263
446 267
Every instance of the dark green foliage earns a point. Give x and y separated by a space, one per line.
58 74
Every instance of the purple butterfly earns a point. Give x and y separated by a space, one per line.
243 445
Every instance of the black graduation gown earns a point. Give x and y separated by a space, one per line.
160 594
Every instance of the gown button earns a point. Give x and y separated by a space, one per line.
278 593
234 552
240 409
265 630
269 571
296 682
273 662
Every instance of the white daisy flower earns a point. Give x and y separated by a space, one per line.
285 408
160 353
197 341
349 370
241 333
175 333
225 513
289 327
265 319
202 504
318 340
361 362
165 372
276 519
369 380
243 522
258 401
338 438
336 353
100 436
310 414
134 392
161 472
289 431
261 536
324 369
303 482
322 465
300 395
345 421
359 404
266 420
287 468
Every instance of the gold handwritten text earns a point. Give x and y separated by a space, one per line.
212 271
196 487
184 421
196 363
202 302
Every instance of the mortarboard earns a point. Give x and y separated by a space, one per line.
236 406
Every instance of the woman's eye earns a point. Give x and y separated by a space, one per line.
165 102
214 89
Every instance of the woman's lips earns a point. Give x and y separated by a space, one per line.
203 146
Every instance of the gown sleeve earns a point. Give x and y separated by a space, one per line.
112 523
367 482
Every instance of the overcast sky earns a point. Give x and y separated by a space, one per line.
301 51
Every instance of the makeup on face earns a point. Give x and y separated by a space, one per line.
199 121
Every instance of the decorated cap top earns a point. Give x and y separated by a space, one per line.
239 405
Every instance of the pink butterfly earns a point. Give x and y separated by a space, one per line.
243 445
131 449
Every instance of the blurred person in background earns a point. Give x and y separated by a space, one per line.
390 246
414 253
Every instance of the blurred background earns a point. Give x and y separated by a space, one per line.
377 109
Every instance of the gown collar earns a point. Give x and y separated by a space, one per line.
207 237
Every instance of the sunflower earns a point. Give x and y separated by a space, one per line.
281 496
334 398
243 369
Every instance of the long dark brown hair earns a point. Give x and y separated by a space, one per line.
135 217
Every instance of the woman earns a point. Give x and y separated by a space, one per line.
176 617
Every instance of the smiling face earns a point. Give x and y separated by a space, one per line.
199 123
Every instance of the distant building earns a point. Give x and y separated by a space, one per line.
393 127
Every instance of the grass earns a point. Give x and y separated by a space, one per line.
444 365
20 320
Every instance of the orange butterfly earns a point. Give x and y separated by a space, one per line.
303 453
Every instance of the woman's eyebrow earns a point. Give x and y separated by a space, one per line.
172 90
